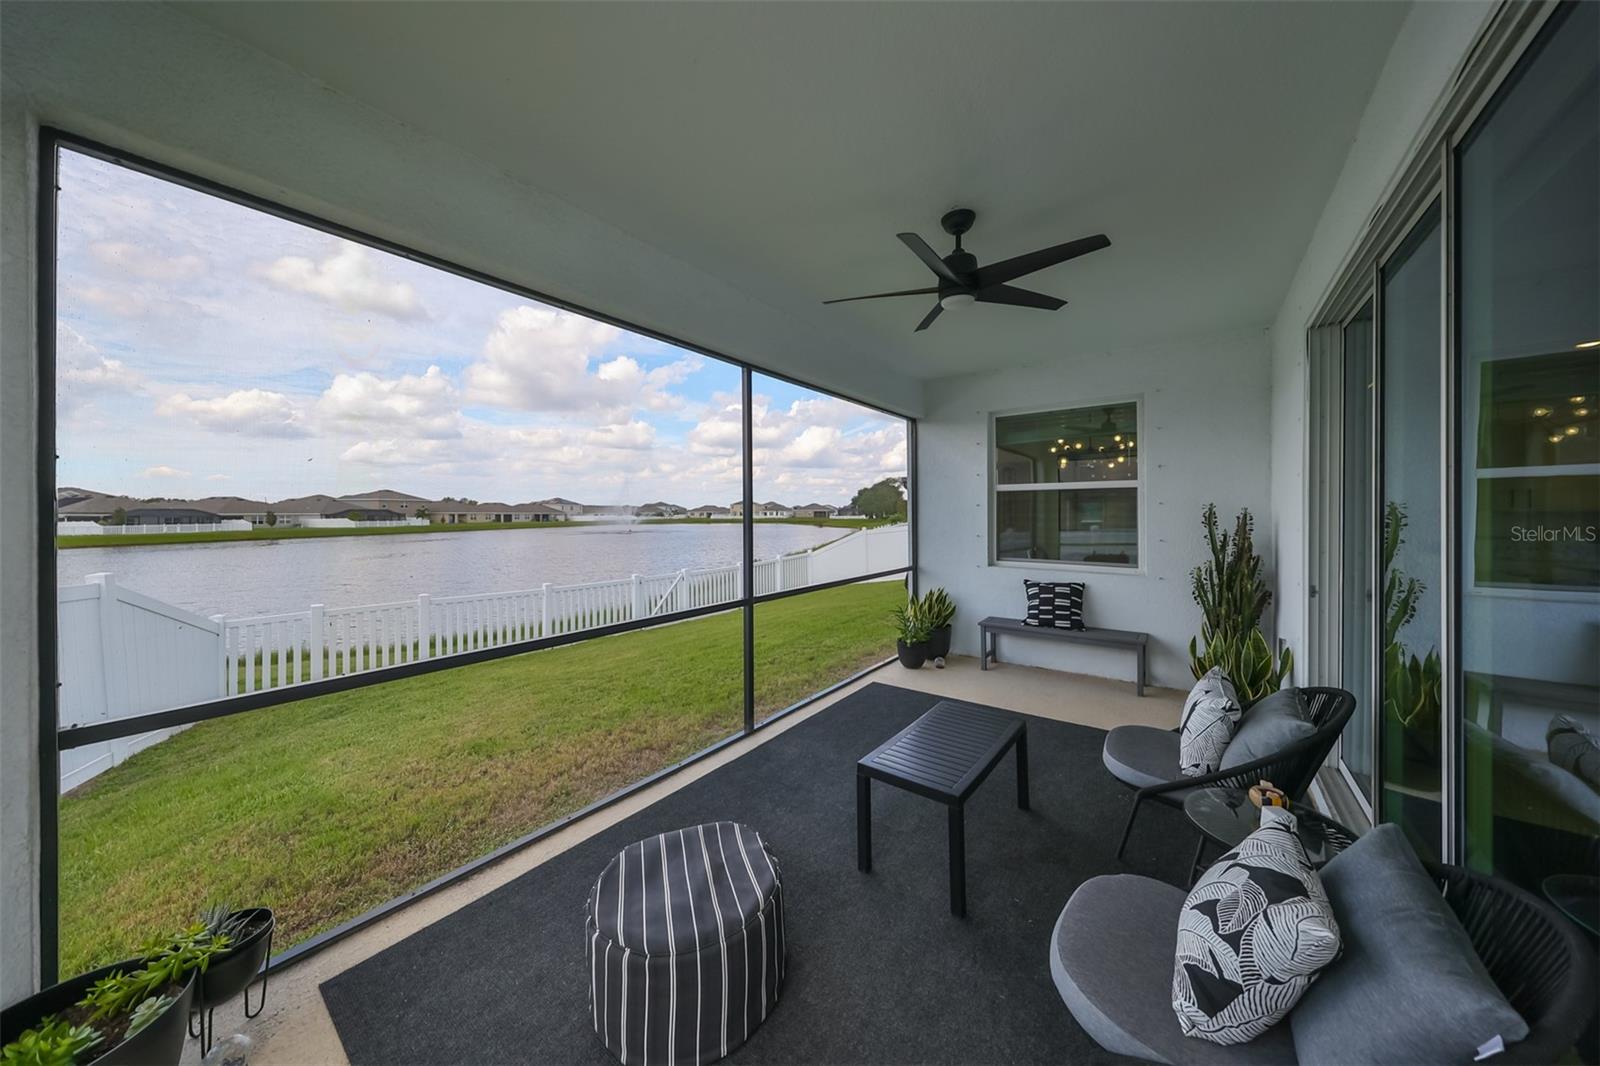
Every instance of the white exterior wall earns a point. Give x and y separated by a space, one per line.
1431 45
1204 417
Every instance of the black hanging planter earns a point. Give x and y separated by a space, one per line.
158 1043
939 643
232 972
912 656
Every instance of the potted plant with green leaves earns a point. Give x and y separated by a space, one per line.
938 610
1232 596
911 642
130 1012
248 934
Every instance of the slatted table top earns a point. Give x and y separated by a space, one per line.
945 754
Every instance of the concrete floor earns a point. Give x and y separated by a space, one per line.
296 1029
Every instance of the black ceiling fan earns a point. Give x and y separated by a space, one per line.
962 281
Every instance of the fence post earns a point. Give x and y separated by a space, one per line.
684 599
638 599
544 609
810 576
222 653
316 639
110 680
424 624
777 574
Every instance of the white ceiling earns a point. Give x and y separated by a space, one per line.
780 147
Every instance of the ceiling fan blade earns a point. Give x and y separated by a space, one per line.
1010 294
928 321
1010 269
881 295
930 258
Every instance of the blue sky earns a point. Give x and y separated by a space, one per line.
205 348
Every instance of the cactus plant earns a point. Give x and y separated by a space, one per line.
1412 686
1232 596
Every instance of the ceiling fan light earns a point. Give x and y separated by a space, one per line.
957 299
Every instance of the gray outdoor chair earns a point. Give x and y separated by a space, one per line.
1146 759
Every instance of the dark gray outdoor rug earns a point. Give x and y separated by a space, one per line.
878 969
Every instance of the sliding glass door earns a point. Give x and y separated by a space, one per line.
1356 746
1528 184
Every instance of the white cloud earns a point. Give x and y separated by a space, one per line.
219 477
631 436
140 262
83 371
537 359
424 406
252 412
348 278
164 472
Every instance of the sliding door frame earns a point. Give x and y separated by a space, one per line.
1428 175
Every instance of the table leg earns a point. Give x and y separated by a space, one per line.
1022 768
1194 864
958 861
863 823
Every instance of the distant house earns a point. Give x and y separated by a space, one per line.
709 510
660 509
402 503
236 507
771 509
816 510
94 508
170 513
296 509
566 507
457 512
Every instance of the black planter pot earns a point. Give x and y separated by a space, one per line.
912 656
232 972
159 1042
939 643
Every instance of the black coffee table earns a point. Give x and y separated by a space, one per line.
1226 816
944 755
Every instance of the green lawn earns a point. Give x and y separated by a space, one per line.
131 540
324 808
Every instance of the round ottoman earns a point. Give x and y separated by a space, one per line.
685 944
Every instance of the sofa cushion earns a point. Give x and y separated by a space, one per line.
1111 957
1271 724
1209 717
1141 755
1254 933
1410 988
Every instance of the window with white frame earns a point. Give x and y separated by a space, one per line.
1066 486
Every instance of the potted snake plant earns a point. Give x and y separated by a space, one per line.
938 610
911 627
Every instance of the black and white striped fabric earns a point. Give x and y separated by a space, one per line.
685 945
1252 936
1054 604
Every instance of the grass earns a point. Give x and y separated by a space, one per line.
327 807
133 540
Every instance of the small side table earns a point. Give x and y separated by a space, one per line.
1225 816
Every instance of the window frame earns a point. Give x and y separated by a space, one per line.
52 740
1137 484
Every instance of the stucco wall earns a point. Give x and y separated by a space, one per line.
1204 411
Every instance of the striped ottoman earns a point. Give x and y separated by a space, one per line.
685 944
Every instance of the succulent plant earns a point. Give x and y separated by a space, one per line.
1232 596
938 608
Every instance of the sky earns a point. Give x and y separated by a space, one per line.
208 349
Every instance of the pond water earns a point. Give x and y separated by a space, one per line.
243 578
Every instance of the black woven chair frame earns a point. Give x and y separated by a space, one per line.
1541 962
1291 769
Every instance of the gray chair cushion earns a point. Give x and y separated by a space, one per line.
1141 755
1409 988
1270 725
1111 957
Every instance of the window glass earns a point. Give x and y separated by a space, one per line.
1356 618
1053 473
1530 451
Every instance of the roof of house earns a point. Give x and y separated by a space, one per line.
709 507
230 505
98 504
772 505
817 507
560 499
316 503
391 494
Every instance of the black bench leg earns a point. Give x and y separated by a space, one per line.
1128 828
863 823
958 861
984 638
1138 677
1022 768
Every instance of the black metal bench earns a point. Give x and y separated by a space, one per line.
992 627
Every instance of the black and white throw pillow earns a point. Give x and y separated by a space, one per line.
1210 715
1254 933
1054 604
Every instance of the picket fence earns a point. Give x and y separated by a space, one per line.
123 653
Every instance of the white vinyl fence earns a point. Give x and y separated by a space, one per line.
124 653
